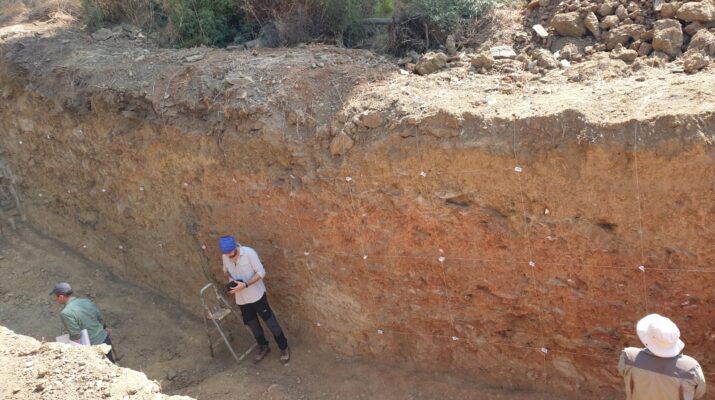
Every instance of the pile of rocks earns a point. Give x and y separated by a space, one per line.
651 32
629 29
33 370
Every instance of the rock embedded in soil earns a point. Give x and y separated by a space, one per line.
701 11
609 22
669 10
502 52
644 49
341 144
624 54
431 63
606 9
568 24
540 31
668 37
695 60
372 119
704 41
591 23
103 34
193 58
623 34
483 60
545 59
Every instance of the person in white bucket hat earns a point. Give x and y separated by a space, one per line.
660 371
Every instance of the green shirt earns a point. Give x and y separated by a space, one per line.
81 314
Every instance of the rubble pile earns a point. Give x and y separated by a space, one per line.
652 32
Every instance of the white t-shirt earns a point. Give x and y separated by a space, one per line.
245 268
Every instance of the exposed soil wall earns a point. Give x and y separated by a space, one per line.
479 224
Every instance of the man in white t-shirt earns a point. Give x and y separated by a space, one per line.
245 273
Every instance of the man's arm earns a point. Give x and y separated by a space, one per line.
257 267
700 380
622 363
225 272
72 327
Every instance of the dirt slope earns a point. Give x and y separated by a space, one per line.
169 345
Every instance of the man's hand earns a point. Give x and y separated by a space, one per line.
239 286
108 330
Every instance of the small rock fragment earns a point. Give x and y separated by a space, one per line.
605 9
703 41
502 52
102 34
568 24
668 37
621 53
193 58
341 144
669 10
483 60
540 31
702 11
591 23
694 61
544 59
430 63
609 22
644 49
372 119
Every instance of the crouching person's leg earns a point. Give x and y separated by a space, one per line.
110 355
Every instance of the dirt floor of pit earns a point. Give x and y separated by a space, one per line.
156 337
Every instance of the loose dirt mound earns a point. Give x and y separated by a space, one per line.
33 370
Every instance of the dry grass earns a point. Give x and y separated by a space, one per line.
19 11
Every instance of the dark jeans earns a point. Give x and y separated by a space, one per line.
110 355
250 313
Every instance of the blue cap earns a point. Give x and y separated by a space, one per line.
63 288
227 244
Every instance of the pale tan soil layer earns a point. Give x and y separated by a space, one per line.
397 215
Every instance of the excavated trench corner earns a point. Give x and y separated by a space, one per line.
482 227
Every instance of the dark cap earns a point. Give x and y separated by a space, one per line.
63 288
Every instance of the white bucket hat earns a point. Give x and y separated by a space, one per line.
660 335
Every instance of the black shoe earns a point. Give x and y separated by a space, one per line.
261 354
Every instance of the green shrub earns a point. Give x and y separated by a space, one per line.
339 15
447 14
385 8
203 22
142 13
92 13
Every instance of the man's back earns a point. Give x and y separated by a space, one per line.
81 314
649 377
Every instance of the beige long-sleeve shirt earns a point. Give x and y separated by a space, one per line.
649 377
247 265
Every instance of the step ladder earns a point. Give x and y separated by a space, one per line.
217 312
